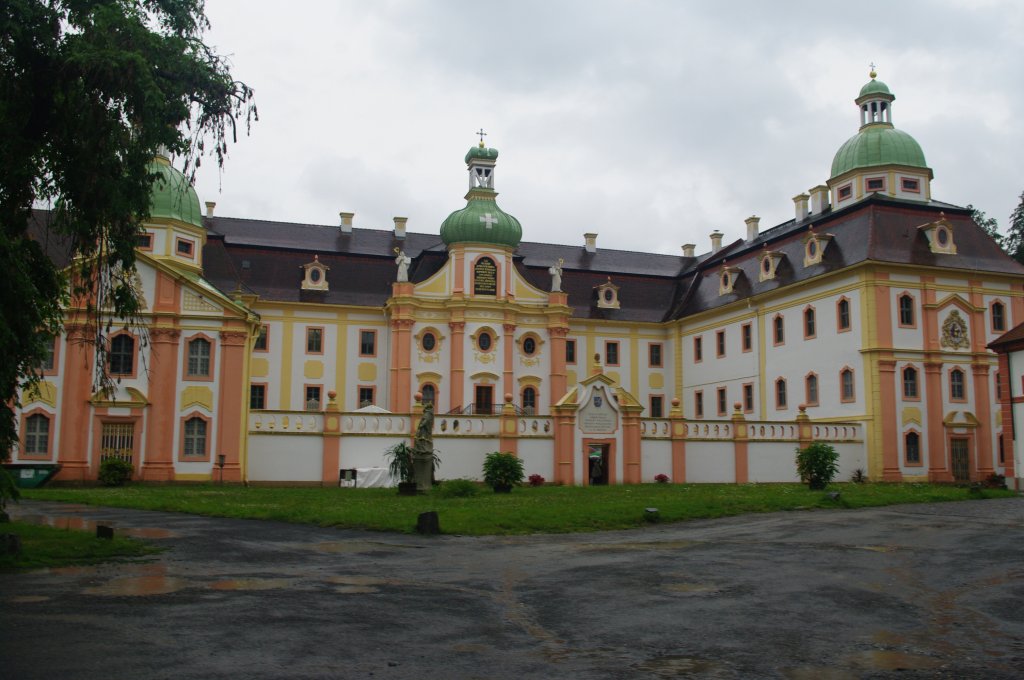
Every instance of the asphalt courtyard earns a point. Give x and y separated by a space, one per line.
901 592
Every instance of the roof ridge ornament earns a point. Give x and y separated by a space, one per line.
482 135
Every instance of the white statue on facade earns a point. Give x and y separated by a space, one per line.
403 261
556 276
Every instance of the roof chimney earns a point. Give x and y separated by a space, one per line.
400 226
346 222
688 249
210 205
800 205
752 222
591 242
819 199
716 241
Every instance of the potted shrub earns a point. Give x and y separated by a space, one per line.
817 464
400 467
502 471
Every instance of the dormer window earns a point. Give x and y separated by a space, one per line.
727 279
845 192
910 184
315 275
144 241
185 248
814 248
770 261
940 236
607 295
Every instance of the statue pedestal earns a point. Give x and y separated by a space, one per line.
423 472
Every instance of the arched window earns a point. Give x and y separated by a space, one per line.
429 393
37 435
843 315
199 357
780 393
809 323
811 385
122 355
998 312
779 330
846 392
529 400
906 307
912 448
195 437
956 385
910 383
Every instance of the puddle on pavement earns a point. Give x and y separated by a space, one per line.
629 547
333 547
139 586
885 660
29 599
695 588
817 673
82 524
253 584
681 667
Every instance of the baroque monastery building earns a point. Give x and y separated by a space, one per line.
281 352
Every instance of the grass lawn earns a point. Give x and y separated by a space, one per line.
547 509
43 546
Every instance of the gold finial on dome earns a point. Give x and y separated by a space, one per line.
873 73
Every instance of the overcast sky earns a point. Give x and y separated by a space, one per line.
651 122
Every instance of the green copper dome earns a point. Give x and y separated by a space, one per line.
874 87
481 221
879 144
173 197
481 152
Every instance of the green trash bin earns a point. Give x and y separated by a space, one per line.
31 475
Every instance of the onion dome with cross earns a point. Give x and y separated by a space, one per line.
877 142
481 221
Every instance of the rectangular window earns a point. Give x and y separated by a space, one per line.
846 393
956 385
998 313
37 435
810 324
483 403
262 335
117 440
874 184
144 241
910 184
780 394
315 340
811 390
912 448
198 358
698 349
720 343
747 334
845 192
367 343
748 398
910 383
657 406
611 353
257 397
722 398
698 404
312 399
906 310
365 396
51 352
654 354
184 247
779 330
570 351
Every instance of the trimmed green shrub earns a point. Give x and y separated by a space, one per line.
115 472
502 471
817 464
457 488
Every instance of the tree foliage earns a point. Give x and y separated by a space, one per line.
89 90
989 224
1014 241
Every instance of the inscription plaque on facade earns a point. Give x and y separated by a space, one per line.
485 277
597 416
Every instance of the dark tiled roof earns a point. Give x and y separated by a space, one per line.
1011 340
